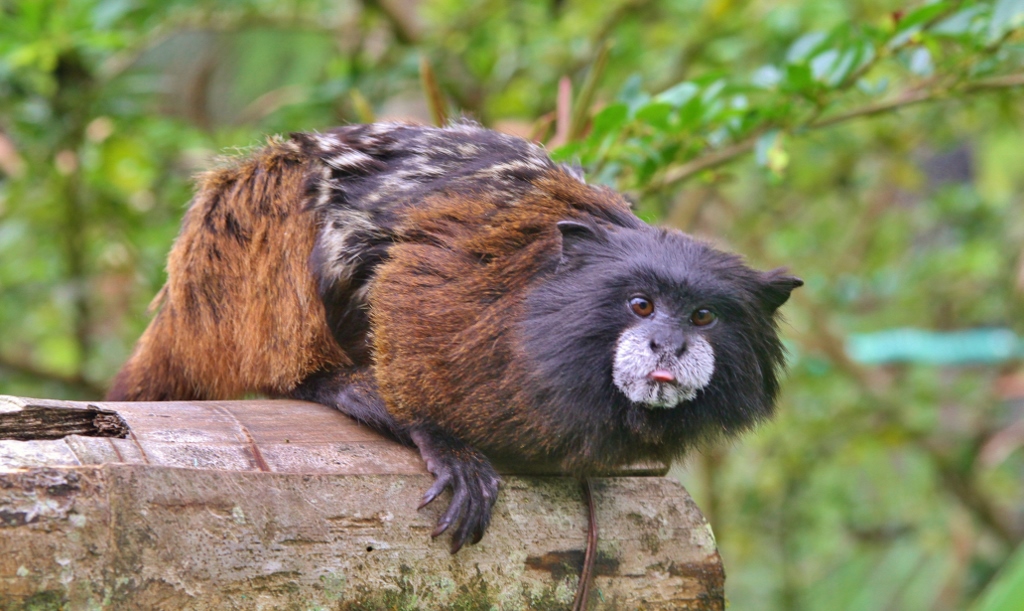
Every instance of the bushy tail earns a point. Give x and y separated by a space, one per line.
240 311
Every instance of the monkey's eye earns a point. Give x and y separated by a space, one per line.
703 317
641 306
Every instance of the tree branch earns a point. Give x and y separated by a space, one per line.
581 112
907 98
965 489
432 92
401 24
706 162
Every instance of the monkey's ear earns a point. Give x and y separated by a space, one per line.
776 287
575 233
575 237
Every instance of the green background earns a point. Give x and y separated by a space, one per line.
874 148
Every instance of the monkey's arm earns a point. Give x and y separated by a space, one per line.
353 391
471 477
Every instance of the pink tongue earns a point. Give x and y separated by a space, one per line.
662 375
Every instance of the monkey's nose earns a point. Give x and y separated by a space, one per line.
681 348
663 344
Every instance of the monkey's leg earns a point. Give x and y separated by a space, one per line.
469 474
455 465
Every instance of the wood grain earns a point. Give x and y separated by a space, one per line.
271 504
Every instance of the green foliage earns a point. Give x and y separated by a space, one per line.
876 152
1007 590
940 49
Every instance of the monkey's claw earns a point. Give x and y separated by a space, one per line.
473 481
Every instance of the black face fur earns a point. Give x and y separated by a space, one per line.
574 321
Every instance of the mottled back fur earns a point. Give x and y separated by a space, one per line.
371 177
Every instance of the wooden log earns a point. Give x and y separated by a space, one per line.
283 504
26 421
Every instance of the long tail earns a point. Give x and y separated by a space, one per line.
240 311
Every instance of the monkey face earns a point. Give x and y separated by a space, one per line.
660 332
663 359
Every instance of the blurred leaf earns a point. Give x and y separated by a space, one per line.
798 79
806 46
1007 15
912 22
1006 591
769 152
611 118
962 23
766 77
656 114
918 16
632 93
678 94
921 62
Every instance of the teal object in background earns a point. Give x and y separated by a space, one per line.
970 347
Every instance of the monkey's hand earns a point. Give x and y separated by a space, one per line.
469 474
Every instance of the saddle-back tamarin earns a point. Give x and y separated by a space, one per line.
455 288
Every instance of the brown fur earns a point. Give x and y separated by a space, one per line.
438 361
240 310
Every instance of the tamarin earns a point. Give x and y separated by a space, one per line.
458 290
